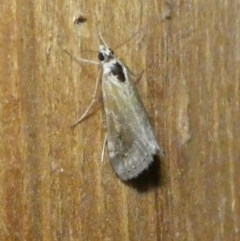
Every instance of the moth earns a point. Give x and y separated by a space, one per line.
130 137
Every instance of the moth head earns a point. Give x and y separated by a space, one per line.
105 54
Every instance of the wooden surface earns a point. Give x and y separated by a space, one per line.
52 183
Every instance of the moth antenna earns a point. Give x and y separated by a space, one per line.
131 37
162 17
102 41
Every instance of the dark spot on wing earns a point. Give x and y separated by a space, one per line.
118 71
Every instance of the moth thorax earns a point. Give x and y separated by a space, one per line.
105 54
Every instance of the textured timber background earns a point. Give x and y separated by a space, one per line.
52 183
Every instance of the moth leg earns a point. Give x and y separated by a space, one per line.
103 149
79 60
84 114
96 86
89 107
138 77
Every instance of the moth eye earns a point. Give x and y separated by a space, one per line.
117 70
111 51
101 56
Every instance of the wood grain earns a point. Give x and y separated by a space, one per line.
52 183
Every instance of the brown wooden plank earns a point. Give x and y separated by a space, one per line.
52 183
